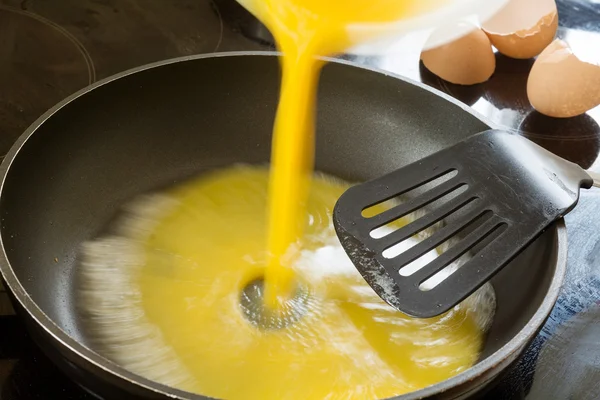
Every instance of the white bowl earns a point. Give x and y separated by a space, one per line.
387 36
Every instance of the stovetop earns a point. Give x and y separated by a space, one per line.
49 50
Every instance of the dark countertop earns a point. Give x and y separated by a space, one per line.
49 50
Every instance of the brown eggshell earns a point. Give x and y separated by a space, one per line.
524 28
560 85
465 61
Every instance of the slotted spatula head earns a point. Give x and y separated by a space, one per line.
489 196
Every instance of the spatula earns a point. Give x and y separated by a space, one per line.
489 196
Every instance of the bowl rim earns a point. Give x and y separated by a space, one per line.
81 354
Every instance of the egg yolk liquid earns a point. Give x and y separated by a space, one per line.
303 30
347 344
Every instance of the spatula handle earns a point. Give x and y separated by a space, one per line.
596 177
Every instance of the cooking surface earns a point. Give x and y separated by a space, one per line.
49 50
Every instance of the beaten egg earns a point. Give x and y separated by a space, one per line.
171 304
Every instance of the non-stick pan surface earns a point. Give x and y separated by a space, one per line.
69 173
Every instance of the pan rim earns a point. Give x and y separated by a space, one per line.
98 362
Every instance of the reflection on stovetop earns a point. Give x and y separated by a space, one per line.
49 50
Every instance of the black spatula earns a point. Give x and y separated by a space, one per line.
489 196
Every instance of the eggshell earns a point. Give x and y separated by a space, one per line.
560 85
466 61
523 28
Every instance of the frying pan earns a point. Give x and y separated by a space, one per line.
151 127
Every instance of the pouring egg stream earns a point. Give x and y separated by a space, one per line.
304 30
234 284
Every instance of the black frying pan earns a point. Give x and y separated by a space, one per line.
71 170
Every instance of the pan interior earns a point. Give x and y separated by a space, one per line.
160 126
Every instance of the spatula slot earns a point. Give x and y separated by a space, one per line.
442 240
412 191
426 221
489 231
392 226
429 236
463 260
420 202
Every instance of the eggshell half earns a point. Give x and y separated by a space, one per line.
560 85
465 61
524 28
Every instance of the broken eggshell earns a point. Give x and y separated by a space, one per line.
468 60
523 28
561 85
